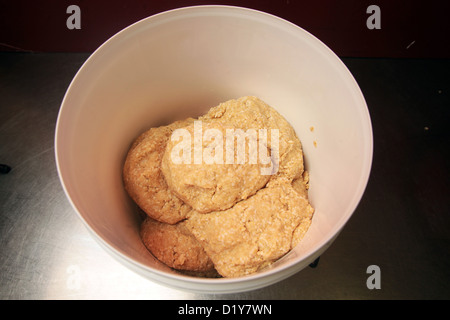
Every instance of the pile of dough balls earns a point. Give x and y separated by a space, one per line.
215 212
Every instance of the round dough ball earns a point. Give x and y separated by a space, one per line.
175 246
144 181
206 166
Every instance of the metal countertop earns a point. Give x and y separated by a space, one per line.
401 225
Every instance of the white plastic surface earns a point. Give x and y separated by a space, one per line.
180 63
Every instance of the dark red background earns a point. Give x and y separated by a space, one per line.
40 26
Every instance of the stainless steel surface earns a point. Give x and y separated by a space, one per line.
401 224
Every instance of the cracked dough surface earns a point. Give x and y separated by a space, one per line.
255 232
217 185
253 113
